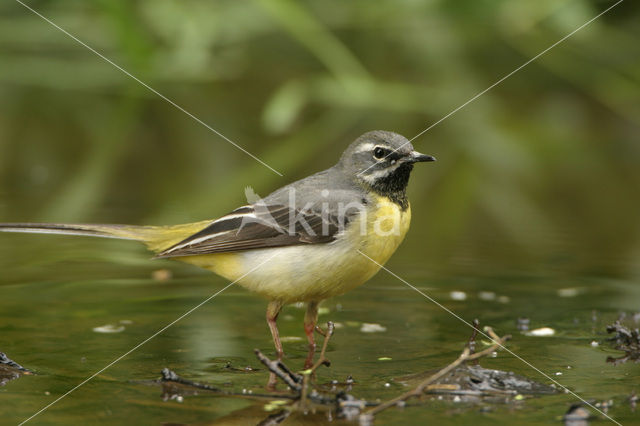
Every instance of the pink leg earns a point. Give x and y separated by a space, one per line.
273 309
310 320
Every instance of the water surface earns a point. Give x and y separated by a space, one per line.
51 306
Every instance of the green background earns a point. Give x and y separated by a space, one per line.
543 165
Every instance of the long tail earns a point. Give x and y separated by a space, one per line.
157 238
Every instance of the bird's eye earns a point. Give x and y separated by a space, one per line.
379 153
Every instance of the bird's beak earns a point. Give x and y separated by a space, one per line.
416 157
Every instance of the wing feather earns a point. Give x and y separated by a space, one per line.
257 226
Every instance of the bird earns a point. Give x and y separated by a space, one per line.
310 240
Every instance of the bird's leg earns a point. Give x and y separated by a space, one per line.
310 320
273 309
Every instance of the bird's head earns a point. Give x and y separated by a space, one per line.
381 160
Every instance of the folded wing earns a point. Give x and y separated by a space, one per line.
257 226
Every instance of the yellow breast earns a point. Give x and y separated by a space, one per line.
386 228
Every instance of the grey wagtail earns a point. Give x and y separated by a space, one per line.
302 243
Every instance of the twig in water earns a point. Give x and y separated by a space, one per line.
465 356
170 376
304 397
5 360
322 360
277 367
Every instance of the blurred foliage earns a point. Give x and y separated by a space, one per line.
540 171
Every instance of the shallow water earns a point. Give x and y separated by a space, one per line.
50 307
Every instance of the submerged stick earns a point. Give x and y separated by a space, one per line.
5 360
170 376
465 356
277 367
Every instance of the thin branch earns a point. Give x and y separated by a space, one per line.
5 360
323 360
278 368
465 356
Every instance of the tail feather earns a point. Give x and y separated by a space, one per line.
156 238
107 231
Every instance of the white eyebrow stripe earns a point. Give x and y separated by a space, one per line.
366 147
